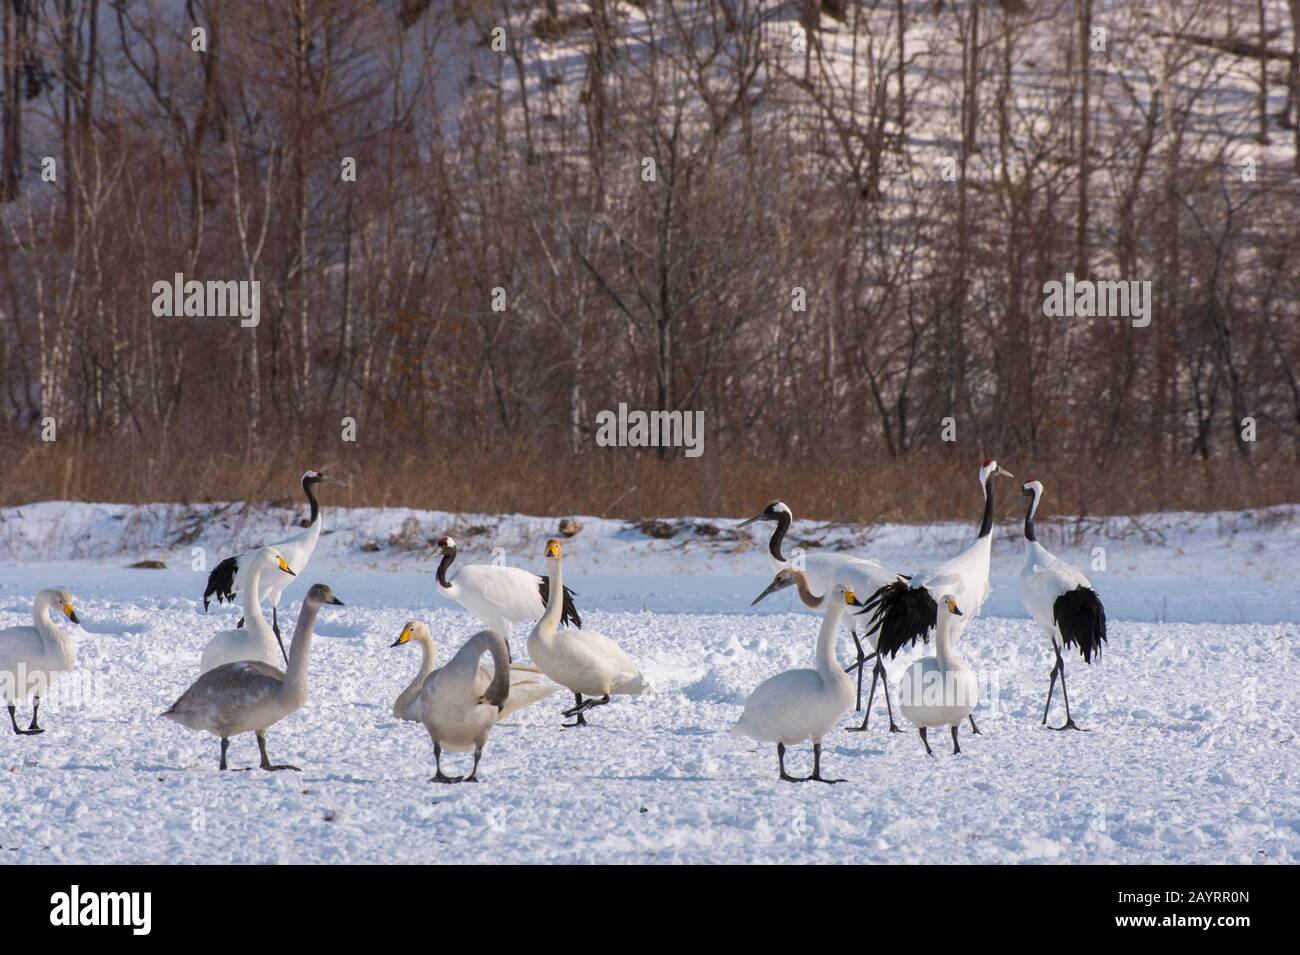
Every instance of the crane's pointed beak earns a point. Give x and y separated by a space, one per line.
436 552
756 517
1003 472
325 479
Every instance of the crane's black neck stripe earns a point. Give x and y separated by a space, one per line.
986 526
448 555
1029 517
778 535
309 488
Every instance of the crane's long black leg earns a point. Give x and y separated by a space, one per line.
817 766
439 776
1069 722
862 658
956 748
575 710
478 754
973 728
240 625
926 742
1051 689
876 671
275 626
36 708
884 682
225 745
266 762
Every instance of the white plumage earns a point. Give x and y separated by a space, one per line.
231 576
527 684
256 640
584 661
803 704
1061 600
941 690
499 596
460 702
32 658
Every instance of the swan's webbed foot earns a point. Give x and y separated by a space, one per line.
32 730
816 776
266 763
1069 725
440 777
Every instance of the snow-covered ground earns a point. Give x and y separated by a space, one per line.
1192 752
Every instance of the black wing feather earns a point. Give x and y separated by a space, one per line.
1082 621
221 582
569 613
902 615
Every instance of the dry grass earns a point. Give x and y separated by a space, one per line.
619 483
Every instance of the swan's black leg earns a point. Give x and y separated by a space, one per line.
576 710
956 748
926 742
240 625
225 745
817 766
36 708
438 776
478 754
780 758
266 762
13 718
973 728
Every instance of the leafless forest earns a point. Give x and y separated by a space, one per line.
826 225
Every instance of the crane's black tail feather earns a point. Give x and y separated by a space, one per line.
569 614
221 582
901 614
1082 621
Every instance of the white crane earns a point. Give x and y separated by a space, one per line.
584 661
31 658
1061 600
230 576
527 684
790 577
941 690
251 696
905 610
499 596
824 571
253 639
803 704
459 704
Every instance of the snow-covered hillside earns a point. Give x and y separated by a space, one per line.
1192 754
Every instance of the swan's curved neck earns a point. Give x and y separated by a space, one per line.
295 678
499 688
550 621
1029 518
778 535
448 555
45 624
827 665
945 653
986 525
252 606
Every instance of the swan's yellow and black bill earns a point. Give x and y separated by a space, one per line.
284 566
851 598
552 548
952 607
70 613
404 638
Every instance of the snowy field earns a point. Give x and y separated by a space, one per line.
1191 757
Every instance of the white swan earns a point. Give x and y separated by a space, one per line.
256 640
940 690
497 595
527 684
581 660
789 577
249 696
803 704
459 703
31 658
